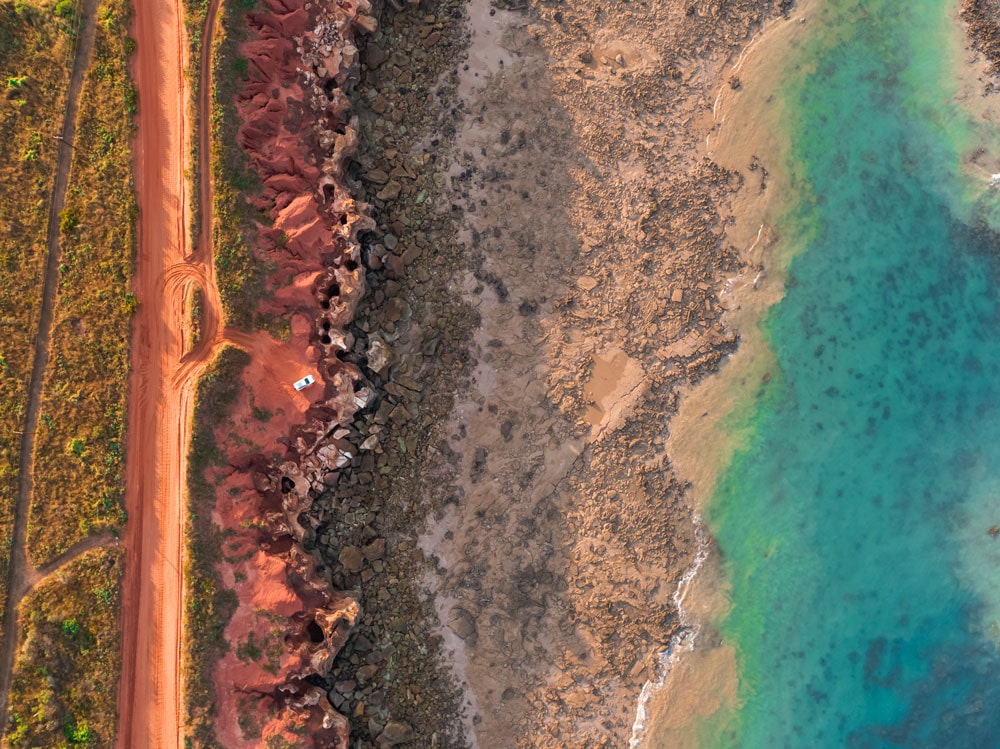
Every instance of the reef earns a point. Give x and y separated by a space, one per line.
984 31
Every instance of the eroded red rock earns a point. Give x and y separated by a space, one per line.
290 623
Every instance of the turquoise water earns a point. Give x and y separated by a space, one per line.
853 527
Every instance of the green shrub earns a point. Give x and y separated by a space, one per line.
68 221
77 731
65 9
130 304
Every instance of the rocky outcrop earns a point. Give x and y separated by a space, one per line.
983 19
298 131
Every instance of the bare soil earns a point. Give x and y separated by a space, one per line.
161 390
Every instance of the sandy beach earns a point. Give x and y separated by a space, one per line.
701 669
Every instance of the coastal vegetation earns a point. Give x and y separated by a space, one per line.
239 278
209 603
195 16
240 274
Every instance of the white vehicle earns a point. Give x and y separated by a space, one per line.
304 382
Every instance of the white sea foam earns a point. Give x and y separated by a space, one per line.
680 643
684 640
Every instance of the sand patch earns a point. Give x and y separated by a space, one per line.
614 385
594 258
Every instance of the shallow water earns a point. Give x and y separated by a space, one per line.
853 525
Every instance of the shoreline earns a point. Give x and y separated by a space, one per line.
518 465
450 536
608 395
699 447
748 363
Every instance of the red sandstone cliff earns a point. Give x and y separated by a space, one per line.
298 131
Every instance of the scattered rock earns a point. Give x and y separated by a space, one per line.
400 415
345 688
376 176
379 356
507 429
351 559
396 732
463 624
390 191
375 56
396 309
375 550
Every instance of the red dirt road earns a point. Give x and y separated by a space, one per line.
150 694
165 374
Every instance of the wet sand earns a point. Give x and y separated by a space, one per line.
701 677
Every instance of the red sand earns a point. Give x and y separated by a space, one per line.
160 405
279 592
297 622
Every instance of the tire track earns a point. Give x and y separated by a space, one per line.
151 700
20 571
38 574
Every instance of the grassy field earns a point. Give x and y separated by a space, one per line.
65 687
78 449
67 665
209 605
36 48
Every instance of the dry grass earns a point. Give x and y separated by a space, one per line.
67 667
195 14
65 687
240 273
209 604
79 445
36 48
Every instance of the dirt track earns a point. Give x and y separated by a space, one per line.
163 377
21 575
165 374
